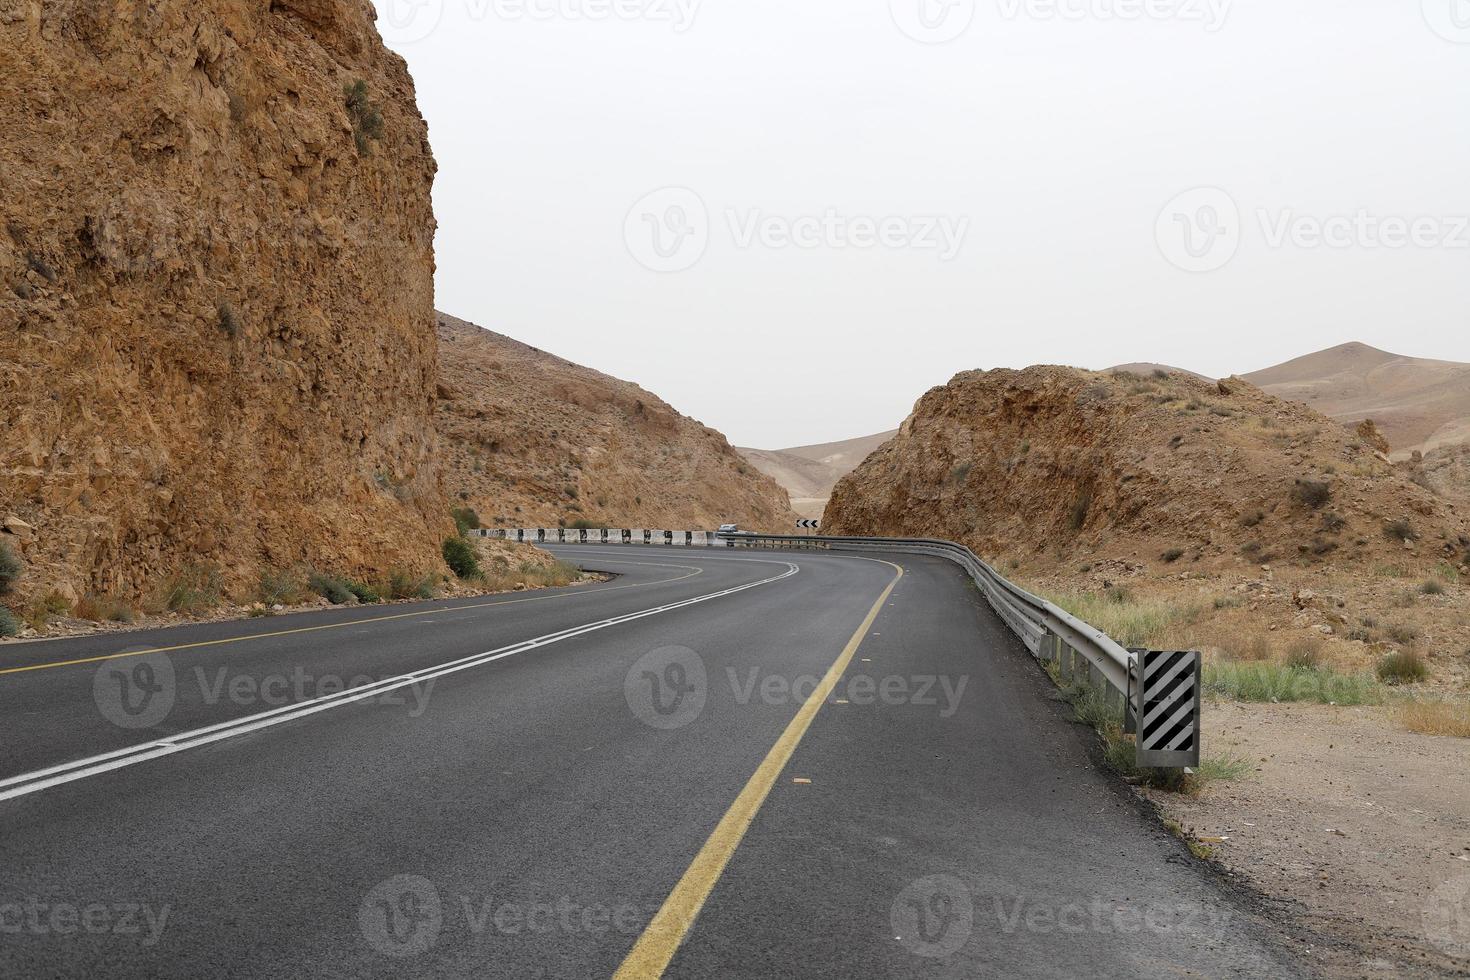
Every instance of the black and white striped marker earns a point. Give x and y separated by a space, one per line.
1168 708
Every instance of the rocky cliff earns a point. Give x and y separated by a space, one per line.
216 298
531 439
1167 470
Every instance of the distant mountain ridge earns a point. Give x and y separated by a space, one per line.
810 472
1417 403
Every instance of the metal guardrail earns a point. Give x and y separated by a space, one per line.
1048 631
1080 651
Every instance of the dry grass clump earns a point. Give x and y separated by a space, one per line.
1437 718
1132 622
1305 654
1402 667
196 589
531 576
102 609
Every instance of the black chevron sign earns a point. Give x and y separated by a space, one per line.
808 523
1168 708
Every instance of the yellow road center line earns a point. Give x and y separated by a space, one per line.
650 956
356 622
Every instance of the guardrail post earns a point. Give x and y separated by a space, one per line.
1064 662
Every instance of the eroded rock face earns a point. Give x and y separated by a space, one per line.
530 439
216 296
1172 471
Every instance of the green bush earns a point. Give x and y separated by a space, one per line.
365 593
11 567
329 587
1267 682
1402 667
9 625
465 520
403 584
195 589
460 556
280 586
366 117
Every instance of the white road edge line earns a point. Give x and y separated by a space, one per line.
41 779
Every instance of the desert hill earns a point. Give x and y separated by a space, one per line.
1417 403
1169 471
809 472
529 438
216 295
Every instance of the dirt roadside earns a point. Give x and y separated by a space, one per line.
1361 828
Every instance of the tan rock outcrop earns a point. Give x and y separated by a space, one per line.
1181 474
216 294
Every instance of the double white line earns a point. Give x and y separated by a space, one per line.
41 779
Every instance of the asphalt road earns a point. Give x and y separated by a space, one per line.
631 775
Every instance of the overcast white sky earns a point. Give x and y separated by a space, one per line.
859 211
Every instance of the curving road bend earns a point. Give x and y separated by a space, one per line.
630 778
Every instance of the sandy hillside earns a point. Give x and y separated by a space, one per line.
216 296
531 439
1417 403
809 472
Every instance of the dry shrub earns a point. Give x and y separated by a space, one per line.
1245 646
1437 718
1305 654
1403 667
101 609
